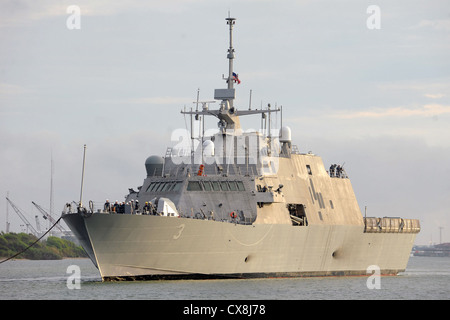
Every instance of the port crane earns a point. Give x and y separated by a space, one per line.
48 216
22 216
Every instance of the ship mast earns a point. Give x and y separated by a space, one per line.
230 56
227 114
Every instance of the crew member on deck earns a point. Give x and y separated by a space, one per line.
107 206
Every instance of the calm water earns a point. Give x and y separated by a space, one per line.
424 278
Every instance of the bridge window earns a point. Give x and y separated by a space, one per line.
215 185
167 186
151 186
194 186
177 186
224 185
207 185
159 187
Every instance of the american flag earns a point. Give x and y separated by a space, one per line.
236 78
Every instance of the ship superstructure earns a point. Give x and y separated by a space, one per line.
239 203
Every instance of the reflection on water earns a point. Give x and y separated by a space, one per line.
424 278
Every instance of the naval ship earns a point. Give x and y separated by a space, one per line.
235 203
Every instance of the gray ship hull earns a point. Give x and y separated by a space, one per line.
153 247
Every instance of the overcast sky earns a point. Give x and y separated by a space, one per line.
376 99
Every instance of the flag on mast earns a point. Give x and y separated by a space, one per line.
236 78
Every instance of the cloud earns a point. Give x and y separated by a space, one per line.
428 110
12 89
158 100
21 12
434 96
14 13
439 24
421 86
